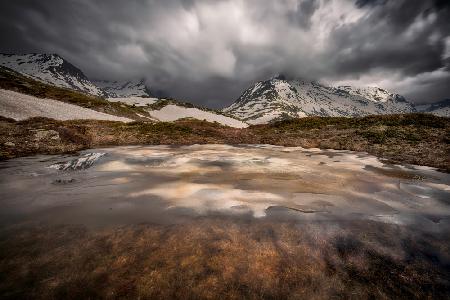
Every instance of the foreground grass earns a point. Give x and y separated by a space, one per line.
415 138
221 258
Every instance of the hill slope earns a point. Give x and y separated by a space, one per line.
13 81
278 98
120 109
19 106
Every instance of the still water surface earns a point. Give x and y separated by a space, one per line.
166 184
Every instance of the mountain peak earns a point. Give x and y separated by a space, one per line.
276 99
126 88
441 108
51 69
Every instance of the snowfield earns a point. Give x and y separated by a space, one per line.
171 113
136 101
20 107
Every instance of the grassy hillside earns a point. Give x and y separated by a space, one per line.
415 138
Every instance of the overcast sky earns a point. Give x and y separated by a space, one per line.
209 51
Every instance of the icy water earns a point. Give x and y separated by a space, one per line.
222 222
165 185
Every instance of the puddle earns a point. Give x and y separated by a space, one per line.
167 184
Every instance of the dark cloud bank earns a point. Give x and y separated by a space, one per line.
208 51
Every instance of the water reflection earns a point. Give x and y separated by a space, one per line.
166 184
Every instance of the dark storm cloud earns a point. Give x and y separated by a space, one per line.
304 11
362 3
393 36
409 38
208 51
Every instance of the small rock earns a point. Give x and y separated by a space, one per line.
10 144
41 134
64 181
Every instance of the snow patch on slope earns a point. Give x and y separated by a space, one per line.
171 113
375 94
20 107
136 101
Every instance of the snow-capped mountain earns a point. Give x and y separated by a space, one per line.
122 89
55 70
279 98
51 69
441 108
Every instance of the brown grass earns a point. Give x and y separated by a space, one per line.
219 258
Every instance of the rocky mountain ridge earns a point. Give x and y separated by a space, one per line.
280 98
441 108
55 70
121 89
